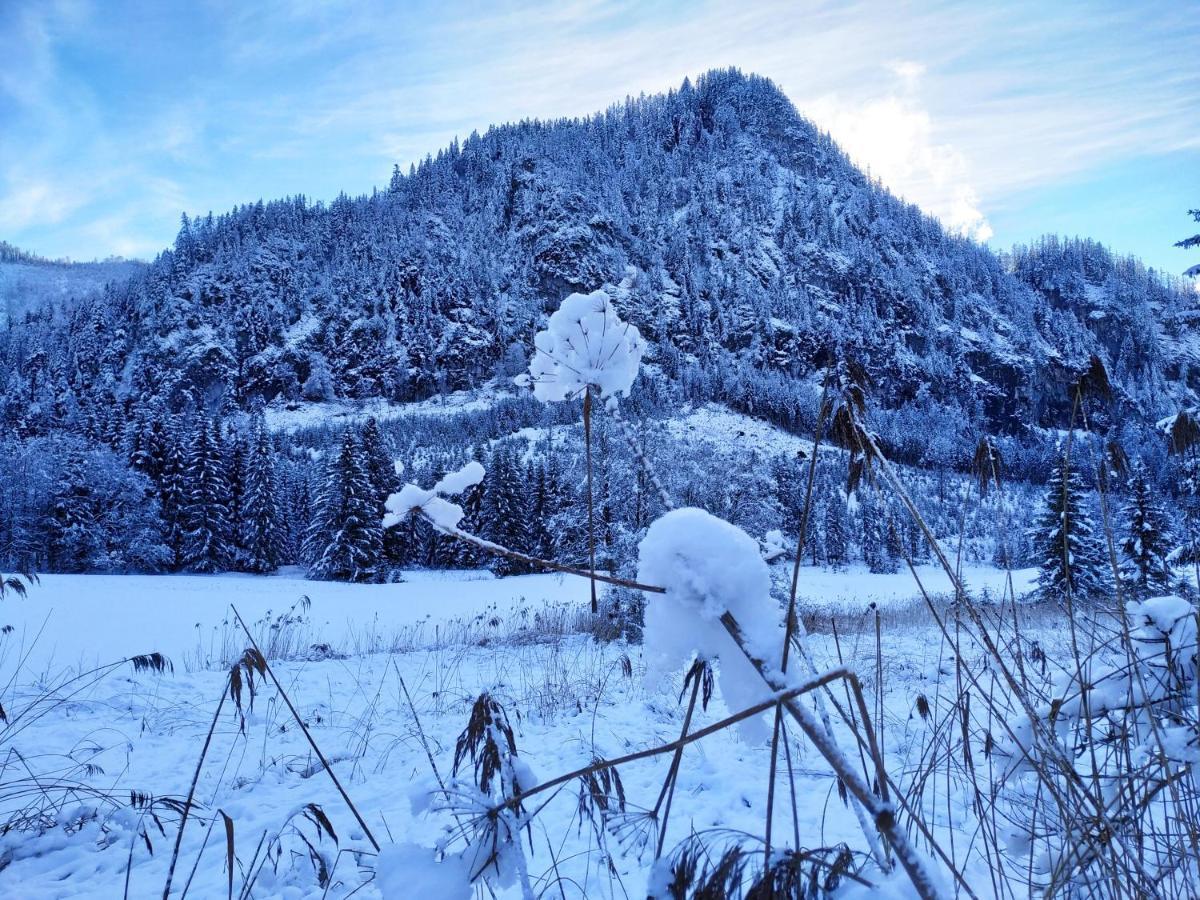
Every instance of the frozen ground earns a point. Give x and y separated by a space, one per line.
448 637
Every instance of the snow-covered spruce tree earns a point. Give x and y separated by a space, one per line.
1069 553
207 529
235 474
874 535
1148 541
463 555
1185 448
74 541
505 515
146 444
894 541
836 530
171 492
296 496
261 533
346 538
543 506
377 458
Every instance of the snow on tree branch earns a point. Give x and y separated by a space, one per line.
585 345
709 567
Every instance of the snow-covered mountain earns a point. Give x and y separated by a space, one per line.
735 235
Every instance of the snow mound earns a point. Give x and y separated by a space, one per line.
709 567
585 344
456 482
409 870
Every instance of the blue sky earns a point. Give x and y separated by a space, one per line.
1005 119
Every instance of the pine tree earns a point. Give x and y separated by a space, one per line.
1070 556
381 468
346 538
541 512
875 548
235 474
207 529
1188 474
299 511
171 497
74 544
147 446
463 555
1148 542
837 530
261 534
504 515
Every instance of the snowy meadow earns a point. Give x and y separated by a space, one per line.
721 714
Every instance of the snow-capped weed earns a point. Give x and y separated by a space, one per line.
585 347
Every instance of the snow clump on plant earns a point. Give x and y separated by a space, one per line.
432 502
709 567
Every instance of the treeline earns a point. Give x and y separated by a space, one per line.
193 493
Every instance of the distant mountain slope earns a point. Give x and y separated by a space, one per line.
735 235
27 281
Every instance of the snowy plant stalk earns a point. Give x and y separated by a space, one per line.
501 550
591 506
307 734
795 633
882 811
1049 743
866 441
585 349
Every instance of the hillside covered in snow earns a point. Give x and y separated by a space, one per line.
737 237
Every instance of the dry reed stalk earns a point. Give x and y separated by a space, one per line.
587 443
307 734
191 794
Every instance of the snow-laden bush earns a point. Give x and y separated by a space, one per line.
584 345
709 567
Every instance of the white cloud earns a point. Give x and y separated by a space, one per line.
894 138
957 107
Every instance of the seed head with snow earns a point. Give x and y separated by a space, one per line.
431 501
584 345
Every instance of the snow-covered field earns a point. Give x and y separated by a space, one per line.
443 637
82 620
79 621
